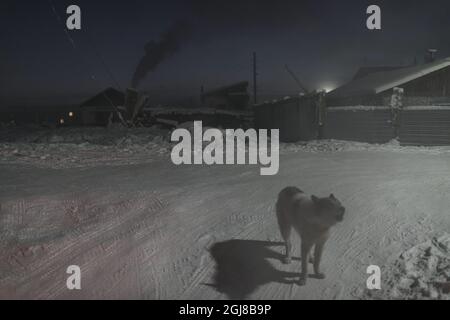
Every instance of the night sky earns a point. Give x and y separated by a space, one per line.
323 42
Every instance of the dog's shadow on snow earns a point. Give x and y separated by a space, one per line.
243 265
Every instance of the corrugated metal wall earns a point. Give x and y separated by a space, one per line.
425 127
429 126
297 121
296 118
373 126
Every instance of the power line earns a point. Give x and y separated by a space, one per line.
58 18
83 59
100 57
255 74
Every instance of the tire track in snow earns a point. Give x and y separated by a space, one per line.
90 246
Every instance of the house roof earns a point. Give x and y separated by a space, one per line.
234 88
105 98
364 71
378 82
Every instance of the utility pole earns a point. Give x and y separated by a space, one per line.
255 74
202 96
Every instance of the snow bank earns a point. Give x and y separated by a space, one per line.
357 108
344 146
379 108
422 272
194 111
78 147
94 135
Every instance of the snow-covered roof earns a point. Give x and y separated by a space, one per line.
378 82
364 71
105 98
233 88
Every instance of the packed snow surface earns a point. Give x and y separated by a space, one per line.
140 227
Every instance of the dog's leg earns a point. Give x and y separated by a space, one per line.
285 230
317 259
288 257
286 233
306 248
311 258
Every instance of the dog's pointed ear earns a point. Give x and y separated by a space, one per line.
315 199
332 197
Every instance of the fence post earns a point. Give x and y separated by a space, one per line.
396 106
321 110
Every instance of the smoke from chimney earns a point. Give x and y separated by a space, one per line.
157 52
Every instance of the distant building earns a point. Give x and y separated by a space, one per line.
367 110
423 84
297 118
232 97
47 116
99 110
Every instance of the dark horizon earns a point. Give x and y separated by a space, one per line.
323 42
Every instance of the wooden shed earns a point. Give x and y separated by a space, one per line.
98 110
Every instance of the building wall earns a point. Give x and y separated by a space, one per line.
296 119
436 84
40 116
88 118
227 102
99 116
373 126
425 127
418 126
216 102
370 100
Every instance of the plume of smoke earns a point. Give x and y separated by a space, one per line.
158 51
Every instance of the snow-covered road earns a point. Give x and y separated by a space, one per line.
156 231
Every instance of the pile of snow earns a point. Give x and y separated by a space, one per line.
195 111
422 272
319 146
81 147
427 108
357 108
384 108
113 135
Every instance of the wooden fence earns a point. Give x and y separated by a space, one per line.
296 118
418 126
